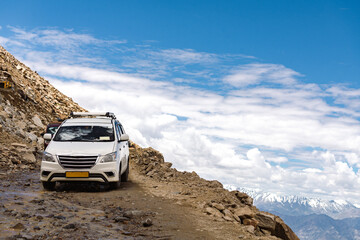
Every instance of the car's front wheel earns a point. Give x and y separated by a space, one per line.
125 175
116 185
50 186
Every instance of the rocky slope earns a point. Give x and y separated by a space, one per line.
33 102
25 109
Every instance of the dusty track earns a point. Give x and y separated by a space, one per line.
84 211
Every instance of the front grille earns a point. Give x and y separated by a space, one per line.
77 162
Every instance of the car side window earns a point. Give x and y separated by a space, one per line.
122 129
117 131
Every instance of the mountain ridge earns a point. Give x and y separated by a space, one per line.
293 205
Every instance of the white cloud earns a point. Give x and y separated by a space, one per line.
187 56
56 38
353 159
256 73
278 159
3 40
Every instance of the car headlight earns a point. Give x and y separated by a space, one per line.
48 157
111 157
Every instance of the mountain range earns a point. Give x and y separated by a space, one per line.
311 218
291 205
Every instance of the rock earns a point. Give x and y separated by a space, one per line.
214 212
251 221
214 184
218 206
40 142
167 164
18 226
4 115
283 231
120 219
147 223
250 229
266 232
227 218
243 212
243 198
29 157
71 226
32 137
229 215
37 121
133 213
266 221
20 145
60 217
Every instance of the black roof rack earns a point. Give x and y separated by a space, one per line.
93 114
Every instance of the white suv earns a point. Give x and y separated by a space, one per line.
86 147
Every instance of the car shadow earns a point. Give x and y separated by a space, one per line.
91 186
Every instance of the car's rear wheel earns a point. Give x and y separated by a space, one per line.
125 175
50 186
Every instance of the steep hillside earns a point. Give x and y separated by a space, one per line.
29 105
25 109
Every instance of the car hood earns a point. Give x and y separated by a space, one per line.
80 148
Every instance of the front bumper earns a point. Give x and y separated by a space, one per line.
101 172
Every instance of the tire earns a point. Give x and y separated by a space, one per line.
116 185
125 175
49 186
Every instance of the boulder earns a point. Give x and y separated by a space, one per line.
266 221
32 137
283 231
243 198
251 221
218 206
29 157
214 212
244 212
229 215
37 121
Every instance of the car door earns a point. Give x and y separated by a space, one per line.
123 149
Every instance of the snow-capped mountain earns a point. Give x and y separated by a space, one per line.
298 206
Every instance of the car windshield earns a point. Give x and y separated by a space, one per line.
85 134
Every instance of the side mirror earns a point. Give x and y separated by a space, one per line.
124 137
48 136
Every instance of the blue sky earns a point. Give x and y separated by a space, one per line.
317 38
257 94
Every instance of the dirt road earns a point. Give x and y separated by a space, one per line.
89 211
158 202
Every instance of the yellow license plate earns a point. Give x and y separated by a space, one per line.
77 174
